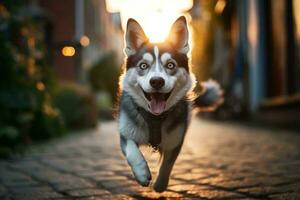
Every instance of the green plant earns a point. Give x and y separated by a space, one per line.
104 75
26 80
77 106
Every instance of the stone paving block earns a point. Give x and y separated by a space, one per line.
214 194
128 190
108 197
6 175
79 184
187 187
270 190
3 192
212 180
95 197
173 181
119 196
87 192
37 195
100 178
191 176
27 166
285 196
205 170
270 180
155 195
20 182
68 165
96 173
111 184
237 175
30 189
295 187
235 184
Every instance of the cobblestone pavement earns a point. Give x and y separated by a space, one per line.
218 161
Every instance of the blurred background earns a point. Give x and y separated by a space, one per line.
60 60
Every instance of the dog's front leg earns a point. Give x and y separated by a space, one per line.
136 161
172 141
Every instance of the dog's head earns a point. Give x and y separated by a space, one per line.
157 74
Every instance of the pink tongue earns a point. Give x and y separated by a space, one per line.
157 106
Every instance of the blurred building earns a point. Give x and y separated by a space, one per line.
252 48
82 32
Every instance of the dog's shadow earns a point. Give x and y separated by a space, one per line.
169 194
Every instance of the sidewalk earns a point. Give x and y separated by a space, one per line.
218 161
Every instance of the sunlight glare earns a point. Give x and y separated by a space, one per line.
155 16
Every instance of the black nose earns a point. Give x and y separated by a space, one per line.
157 82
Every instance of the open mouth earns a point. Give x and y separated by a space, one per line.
157 101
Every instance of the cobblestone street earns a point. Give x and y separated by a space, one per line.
218 161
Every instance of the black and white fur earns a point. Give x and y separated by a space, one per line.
154 104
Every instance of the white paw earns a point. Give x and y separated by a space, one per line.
142 174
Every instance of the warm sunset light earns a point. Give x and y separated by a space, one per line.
297 17
155 16
220 5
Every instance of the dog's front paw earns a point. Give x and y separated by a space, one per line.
142 174
160 185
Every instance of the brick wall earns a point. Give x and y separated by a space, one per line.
62 15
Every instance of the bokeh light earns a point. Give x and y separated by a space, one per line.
85 41
68 51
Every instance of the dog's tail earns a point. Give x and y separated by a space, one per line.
210 98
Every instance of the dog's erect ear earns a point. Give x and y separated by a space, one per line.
179 35
134 38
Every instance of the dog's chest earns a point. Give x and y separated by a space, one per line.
155 124
162 127
158 127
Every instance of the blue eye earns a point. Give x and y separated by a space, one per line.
170 65
143 66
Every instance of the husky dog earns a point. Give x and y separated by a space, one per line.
154 107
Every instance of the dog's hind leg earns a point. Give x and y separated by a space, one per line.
136 161
169 158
